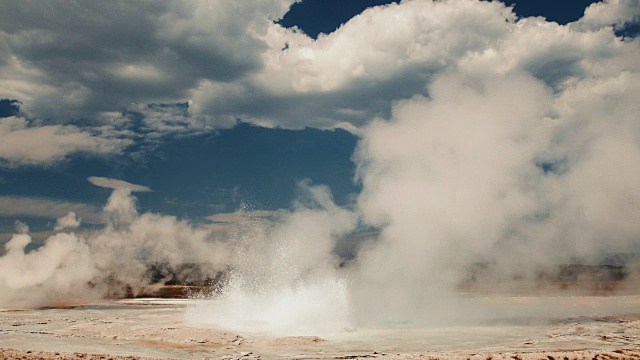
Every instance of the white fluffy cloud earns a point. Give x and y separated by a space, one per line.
231 61
425 34
384 54
76 59
392 53
610 13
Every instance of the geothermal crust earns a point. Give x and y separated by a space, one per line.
147 328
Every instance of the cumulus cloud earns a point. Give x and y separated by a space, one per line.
614 13
116 184
230 61
61 63
311 66
22 143
356 73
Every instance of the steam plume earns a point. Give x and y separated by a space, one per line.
484 170
111 261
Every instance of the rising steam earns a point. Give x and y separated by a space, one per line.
483 171
113 261
286 274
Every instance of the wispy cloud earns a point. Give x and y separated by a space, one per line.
22 143
116 184
239 216
14 206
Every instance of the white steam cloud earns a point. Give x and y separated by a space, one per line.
21 228
445 180
484 170
285 275
69 221
110 262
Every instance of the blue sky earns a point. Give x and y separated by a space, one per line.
216 106
315 16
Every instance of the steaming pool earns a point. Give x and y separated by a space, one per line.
170 329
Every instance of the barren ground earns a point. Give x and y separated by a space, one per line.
604 328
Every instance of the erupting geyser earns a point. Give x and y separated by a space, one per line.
286 278
451 181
